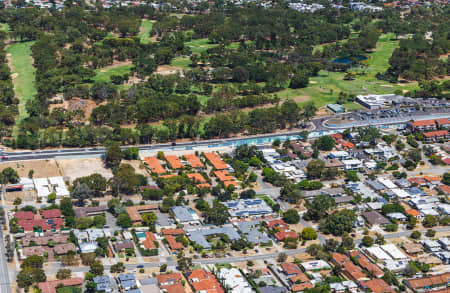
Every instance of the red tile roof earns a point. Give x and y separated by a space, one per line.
173 232
154 165
194 161
436 133
285 234
173 244
301 287
277 223
28 215
169 278
423 123
174 162
149 240
366 264
196 177
223 175
377 286
290 268
442 121
445 189
216 161
45 225
50 286
49 214
175 288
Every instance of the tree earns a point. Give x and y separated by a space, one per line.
367 241
63 274
184 264
96 183
414 155
96 268
217 214
10 175
352 176
299 80
315 168
430 221
113 156
125 180
338 222
319 207
291 216
430 233
124 220
282 257
87 258
17 201
118 268
81 192
446 178
309 233
415 235
325 143
131 153
34 261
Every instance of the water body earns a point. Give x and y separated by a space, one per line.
346 60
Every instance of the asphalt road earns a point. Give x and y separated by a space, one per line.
5 284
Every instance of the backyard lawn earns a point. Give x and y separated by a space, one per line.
23 74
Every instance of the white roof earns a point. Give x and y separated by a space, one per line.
400 193
386 182
432 212
26 181
378 253
351 162
315 265
340 154
40 182
62 191
234 279
57 181
393 251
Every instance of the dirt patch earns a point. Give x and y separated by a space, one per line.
41 168
301 99
138 167
76 168
168 69
114 65
87 106
386 85
312 82
25 195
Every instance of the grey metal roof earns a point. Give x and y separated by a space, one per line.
198 235
272 289
182 214
375 185
148 281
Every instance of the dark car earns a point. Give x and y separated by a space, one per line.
139 266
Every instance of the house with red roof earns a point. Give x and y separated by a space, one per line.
27 215
282 235
437 135
421 125
169 279
204 282
51 214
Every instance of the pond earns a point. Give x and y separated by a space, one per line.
346 60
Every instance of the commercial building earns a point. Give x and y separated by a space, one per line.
375 101
336 108
247 208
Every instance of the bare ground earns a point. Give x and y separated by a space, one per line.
41 168
76 168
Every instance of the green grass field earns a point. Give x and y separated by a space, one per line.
104 75
325 88
24 72
144 34
4 27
